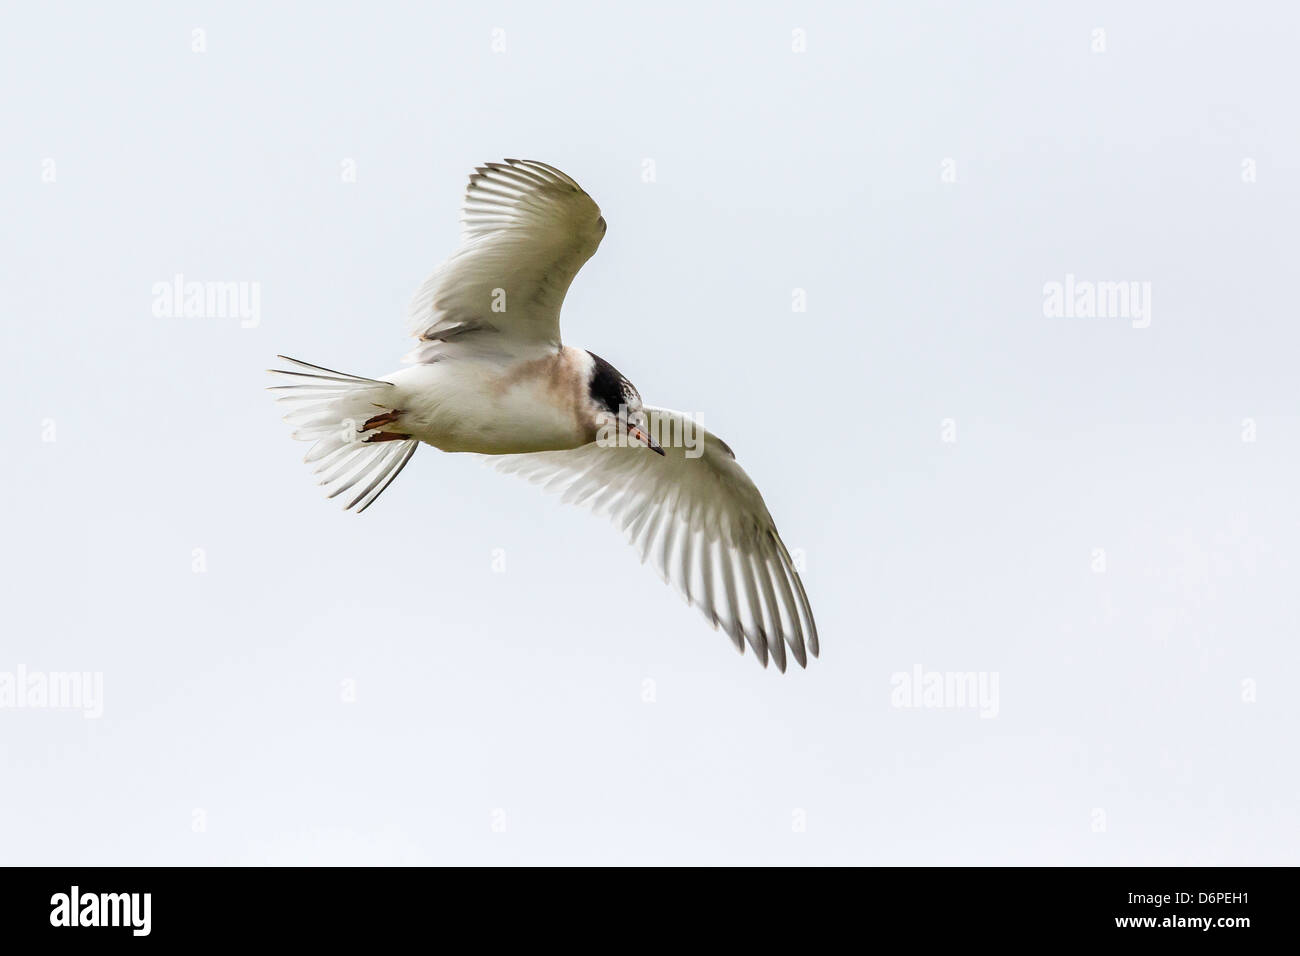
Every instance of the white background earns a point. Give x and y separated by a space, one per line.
1124 733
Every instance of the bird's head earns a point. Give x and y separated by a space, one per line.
614 408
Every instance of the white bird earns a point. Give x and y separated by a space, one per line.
491 376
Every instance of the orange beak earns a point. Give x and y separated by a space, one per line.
639 435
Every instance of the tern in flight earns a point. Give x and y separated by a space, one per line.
490 375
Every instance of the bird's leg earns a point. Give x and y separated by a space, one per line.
378 421
387 418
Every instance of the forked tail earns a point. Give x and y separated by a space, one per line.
345 416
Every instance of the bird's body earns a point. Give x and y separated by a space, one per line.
493 406
491 376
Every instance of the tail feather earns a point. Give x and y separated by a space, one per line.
330 409
313 371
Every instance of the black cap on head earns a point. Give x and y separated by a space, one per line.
608 387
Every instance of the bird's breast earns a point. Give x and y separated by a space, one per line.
494 408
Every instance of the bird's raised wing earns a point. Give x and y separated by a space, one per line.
703 522
526 230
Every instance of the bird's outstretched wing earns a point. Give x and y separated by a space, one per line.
703 522
526 230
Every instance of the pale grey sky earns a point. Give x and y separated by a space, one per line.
1102 518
